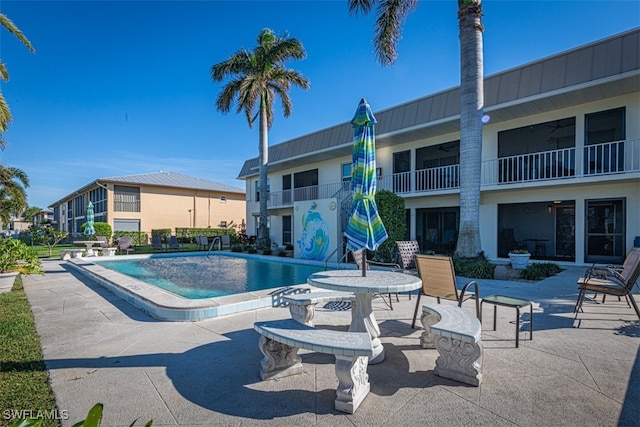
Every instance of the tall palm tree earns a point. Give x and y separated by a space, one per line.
13 197
5 113
256 77
391 15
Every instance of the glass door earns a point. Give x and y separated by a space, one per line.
605 220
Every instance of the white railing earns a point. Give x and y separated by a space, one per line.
313 192
598 159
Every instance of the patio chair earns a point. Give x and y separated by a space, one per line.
124 244
408 249
174 244
439 280
612 281
602 271
357 258
156 244
202 242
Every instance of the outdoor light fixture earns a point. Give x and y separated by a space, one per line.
549 209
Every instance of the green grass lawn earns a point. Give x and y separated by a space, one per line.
24 382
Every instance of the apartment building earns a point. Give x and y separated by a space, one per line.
560 163
151 201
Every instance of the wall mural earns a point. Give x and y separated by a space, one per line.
316 222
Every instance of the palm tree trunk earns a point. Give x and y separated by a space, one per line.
471 104
263 158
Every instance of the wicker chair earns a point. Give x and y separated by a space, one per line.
408 249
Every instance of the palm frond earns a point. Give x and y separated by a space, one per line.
392 15
4 74
13 29
360 6
5 114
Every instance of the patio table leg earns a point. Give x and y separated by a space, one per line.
363 320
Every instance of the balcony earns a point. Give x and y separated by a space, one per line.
618 157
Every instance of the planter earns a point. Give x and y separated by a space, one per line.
6 281
519 261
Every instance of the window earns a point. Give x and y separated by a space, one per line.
79 206
437 166
346 176
605 230
126 199
98 197
306 185
346 172
401 164
286 189
286 230
539 151
223 199
604 142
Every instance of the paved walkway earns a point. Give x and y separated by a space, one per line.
99 348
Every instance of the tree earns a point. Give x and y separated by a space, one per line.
391 16
13 196
53 236
256 77
30 212
5 113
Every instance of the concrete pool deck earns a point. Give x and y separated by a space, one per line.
99 348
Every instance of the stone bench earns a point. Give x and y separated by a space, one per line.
106 251
302 305
66 254
280 341
456 334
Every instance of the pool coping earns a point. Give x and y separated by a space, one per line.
165 305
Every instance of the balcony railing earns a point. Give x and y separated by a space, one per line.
599 159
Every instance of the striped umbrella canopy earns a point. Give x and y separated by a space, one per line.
88 229
365 229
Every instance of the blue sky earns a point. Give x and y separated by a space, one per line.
124 87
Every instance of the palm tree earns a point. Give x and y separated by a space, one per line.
391 16
13 197
256 77
5 113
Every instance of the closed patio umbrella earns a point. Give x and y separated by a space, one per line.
365 229
89 230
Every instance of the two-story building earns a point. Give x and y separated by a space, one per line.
560 163
151 201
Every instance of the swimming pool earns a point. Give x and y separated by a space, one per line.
163 304
199 276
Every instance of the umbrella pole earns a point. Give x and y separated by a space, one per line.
364 263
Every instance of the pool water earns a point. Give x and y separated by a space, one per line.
197 277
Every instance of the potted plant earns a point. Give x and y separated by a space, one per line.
16 258
519 258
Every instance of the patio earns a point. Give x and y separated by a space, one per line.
207 372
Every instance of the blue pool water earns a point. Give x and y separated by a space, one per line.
198 277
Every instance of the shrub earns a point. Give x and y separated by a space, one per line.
103 229
236 248
539 271
393 216
252 250
266 252
475 268
282 253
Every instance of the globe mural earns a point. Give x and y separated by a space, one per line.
314 239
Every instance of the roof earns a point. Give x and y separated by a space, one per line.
160 179
599 70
